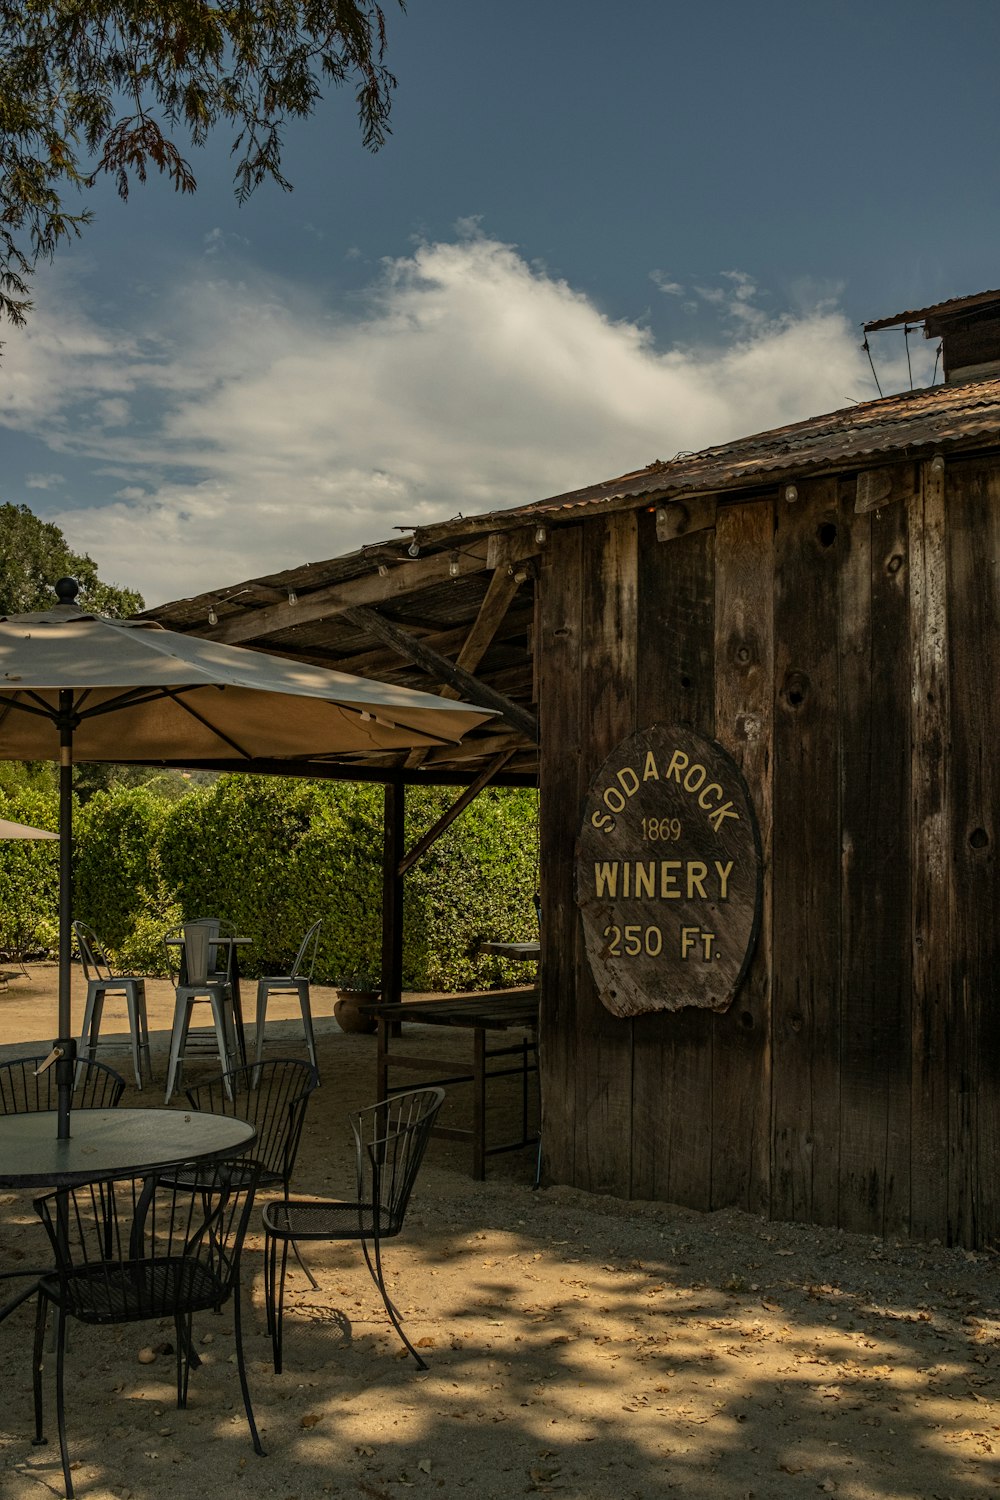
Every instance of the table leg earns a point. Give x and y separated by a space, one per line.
382 1063
479 1103
234 985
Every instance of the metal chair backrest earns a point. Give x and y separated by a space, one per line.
217 927
198 951
134 1248
92 954
305 959
22 1092
390 1141
272 1096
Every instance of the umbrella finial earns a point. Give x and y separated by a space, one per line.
67 590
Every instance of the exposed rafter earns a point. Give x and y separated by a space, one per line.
370 588
471 688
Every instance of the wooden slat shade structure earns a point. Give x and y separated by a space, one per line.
822 602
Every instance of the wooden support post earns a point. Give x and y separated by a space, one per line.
392 893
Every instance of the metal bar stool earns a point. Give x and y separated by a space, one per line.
294 983
101 982
197 985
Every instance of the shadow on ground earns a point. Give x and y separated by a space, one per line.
577 1346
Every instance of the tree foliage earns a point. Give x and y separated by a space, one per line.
90 88
34 553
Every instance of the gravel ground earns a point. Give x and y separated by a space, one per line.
579 1346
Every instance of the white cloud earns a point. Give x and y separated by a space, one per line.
663 283
113 412
44 481
266 429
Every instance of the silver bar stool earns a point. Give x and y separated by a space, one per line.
199 985
101 982
294 983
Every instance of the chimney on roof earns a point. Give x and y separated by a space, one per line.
969 330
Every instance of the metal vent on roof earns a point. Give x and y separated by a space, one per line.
969 330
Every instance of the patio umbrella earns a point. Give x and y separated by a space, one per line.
75 684
22 831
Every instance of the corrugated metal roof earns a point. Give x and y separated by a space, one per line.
434 585
950 308
943 415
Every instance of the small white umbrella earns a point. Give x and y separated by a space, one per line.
73 683
23 831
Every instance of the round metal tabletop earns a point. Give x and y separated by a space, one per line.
106 1142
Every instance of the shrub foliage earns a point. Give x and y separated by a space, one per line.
273 856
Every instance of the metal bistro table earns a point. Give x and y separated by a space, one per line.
486 1011
109 1143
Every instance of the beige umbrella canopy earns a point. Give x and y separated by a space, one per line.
141 693
76 685
22 831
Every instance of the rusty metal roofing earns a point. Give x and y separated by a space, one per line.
912 422
434 583
951 308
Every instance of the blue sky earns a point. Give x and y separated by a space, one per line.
596 236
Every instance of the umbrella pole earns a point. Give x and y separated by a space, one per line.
65 1043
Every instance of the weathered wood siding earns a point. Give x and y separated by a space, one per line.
849 662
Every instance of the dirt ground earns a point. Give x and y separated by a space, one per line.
580 1346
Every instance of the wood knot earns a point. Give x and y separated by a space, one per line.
795 689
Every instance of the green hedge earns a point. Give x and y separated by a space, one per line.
274 855
29 872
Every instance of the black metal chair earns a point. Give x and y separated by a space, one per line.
23 1091
390 1141
131 1250
272 1096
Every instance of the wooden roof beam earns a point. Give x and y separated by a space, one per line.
499 595
338 598
472 689
448 642
474 749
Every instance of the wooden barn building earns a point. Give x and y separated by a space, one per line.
759 688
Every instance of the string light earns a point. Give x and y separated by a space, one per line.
293 597
453 565
213 618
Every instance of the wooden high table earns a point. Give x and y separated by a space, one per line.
482 1013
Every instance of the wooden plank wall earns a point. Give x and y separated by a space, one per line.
848 661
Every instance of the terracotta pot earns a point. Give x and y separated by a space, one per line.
347 1014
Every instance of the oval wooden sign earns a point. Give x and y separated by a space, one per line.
668 874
